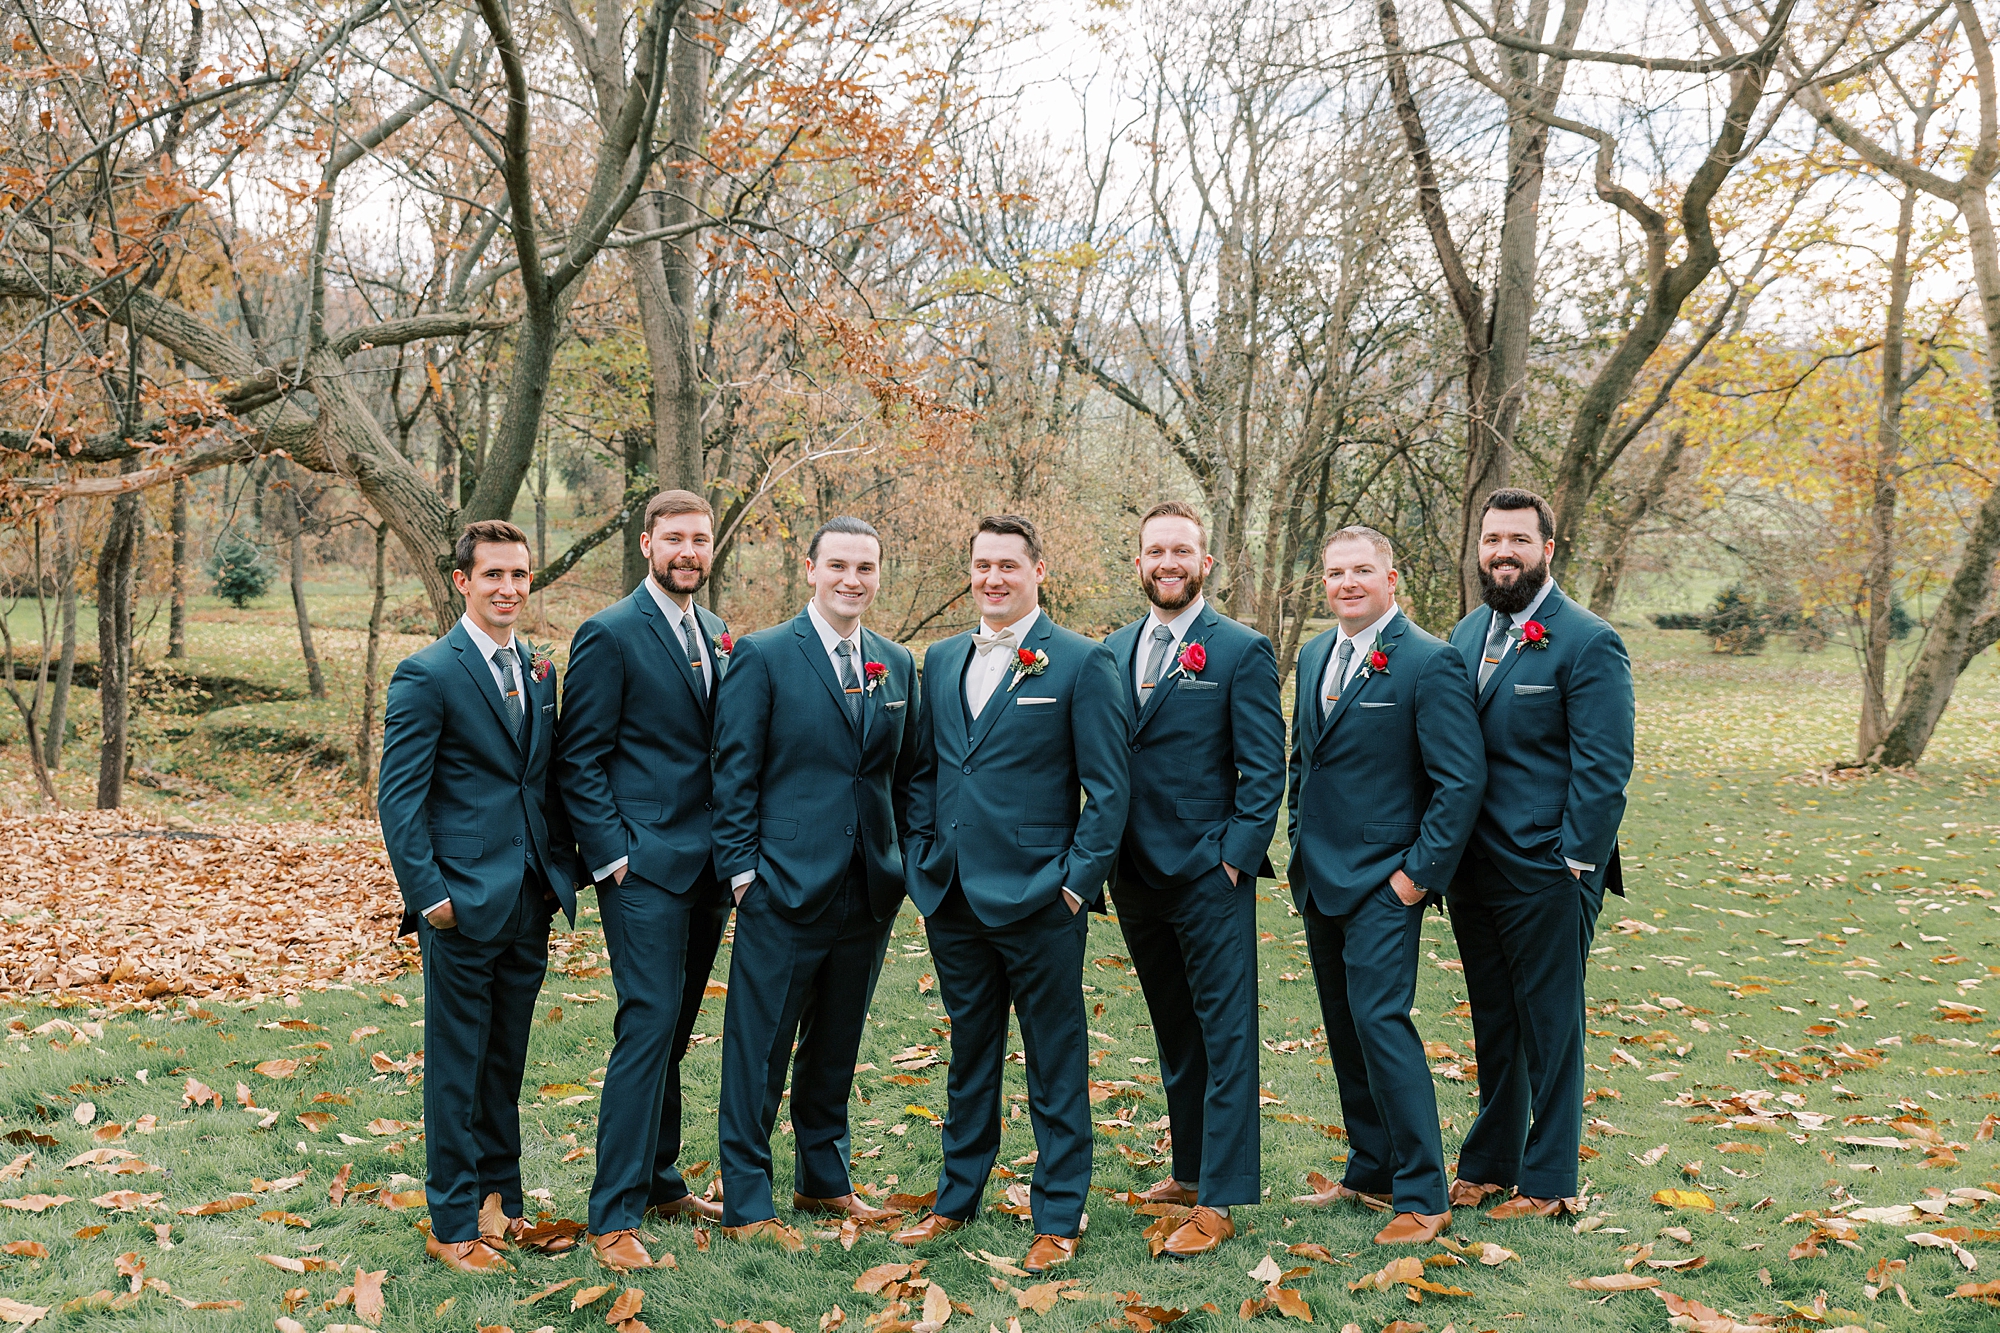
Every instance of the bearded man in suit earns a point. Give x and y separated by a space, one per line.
633 758
1208 779
1556 710
1387 771
472 818
1022 722
814 751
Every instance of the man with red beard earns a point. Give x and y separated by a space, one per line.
1555 704
632 756
1208 778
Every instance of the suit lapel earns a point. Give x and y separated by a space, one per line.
1305 713
1199 632
808 640
951 667
1551 606
870 653
481 671
1353 688
1003 698
670 640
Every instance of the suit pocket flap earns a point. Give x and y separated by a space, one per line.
1548 816
1396 833
894 704
457 846
646 810
1209 810
1201 684
1023 703
778 830
1044 835
1534 689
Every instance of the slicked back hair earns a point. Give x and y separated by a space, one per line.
1174 509
1362 532
847 523
675 502
1009 525
1513 497
486 532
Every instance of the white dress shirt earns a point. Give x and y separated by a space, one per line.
985 671
829 639
1521 618
489 648
1183 620
1329 687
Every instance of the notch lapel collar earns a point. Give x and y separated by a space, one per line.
1551 606
1203 627
815 651
1352 689
670 639
1003 698
476 666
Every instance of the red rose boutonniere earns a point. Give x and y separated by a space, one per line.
1534 634
1028 662
540 664
876 673
1377 663
725 643
1192 659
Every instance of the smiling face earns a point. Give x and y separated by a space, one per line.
1360 582
845 577
496 587
1006 583
1513 559
679 549
1172 563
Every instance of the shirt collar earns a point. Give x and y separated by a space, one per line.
670 608
1522 617
1020 627
486 644
1183 619
1372 632
828 635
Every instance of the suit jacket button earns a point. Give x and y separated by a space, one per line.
1315 768
517 840
1136 747
968 768
850 830
708 805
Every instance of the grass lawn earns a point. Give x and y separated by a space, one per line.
1792 945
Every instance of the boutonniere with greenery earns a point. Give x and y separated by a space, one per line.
1028 662
1192 659
540 664
1378 659
1534 634
875 673
725 644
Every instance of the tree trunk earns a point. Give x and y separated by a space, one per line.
541 527
177 606
1881 570
364 736
639 465
115 563
58 725
687 111
1611 573
315 681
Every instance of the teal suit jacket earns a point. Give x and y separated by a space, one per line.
1390 779
1030 797
1558 724
465 805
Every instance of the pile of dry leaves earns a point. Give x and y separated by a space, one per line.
107 905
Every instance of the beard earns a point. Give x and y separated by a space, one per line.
1515 597
1191 582
680 579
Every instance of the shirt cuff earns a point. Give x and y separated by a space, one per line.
603 873
442 902
1071 895
740 878
1579 865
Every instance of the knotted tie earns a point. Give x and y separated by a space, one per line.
510 688
1342 659
691 639
1496 648
848 681
1163 638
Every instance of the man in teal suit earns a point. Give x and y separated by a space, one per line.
473 821
1555 705
814 751
1208 780
633 757
1016 809
1387 772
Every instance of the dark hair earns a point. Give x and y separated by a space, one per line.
1174 509
1362 532
675 502
1009 525
486 532
847 523
1513 497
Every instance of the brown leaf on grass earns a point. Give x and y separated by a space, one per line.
280 1185
1404 1326
86 1233
296 1297
1409 1268
1616 1282
383 1127
283 1218
1312 1250
626 1306
26 1249
315 1120
832 1320
21 1313
36 1203
310 1263
1809 1248
277 1068
219 1206
336 1193
133 1269
368 1302
1289 1303
23 1138
163 1235
937 1305
880 1276
107 1133
17 1168
588 1296
1042 1297
1485 1251
1977 1291
187 1304
1686 1265
127 1201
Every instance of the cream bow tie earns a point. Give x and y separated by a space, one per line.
1000 640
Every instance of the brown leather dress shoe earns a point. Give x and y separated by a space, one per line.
934 1227
1523 1206
847 1205
467 1256
1471 1194
620 1251
770 1231
1414 1228
690 1206
1335 1192
1169 1191
1202 1231
1048 1251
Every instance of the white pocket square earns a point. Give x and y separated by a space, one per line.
1533 689
1390 703
1025 702
895 704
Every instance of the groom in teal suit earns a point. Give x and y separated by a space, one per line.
1016 808
1555 706
1387 772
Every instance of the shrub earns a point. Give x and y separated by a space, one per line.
238 571
1735 624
